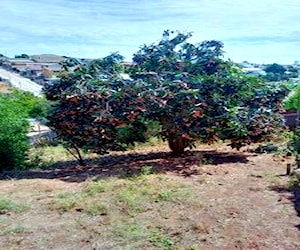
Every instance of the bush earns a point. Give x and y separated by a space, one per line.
292 102
13 134
32 106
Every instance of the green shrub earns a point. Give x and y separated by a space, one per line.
33 106
292 102
13 134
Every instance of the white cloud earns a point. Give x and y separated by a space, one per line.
90 28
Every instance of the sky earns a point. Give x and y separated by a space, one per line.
259 31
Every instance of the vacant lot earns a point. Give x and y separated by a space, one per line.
212 198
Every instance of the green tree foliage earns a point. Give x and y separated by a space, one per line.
276 72
189 89
15 108
292 71
22 56
96 109
3 58
275 68
195 94
13 134
292 102
31 105
295 142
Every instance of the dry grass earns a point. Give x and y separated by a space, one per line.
223 200
131 206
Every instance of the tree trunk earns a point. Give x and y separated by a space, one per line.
177 144
77 155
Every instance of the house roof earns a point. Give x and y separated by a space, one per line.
55 67
15 61
34 66
47 58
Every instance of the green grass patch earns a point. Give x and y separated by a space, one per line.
8 205
134 195
13 230
292 182
130 231
161 240
65 201
133 232
130 208
42 157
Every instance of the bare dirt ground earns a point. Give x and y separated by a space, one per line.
212 198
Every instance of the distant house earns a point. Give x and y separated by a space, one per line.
33 70
16 64
47 58
128 64
37 69
254 71
53 67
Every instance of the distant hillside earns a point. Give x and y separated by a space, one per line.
20 82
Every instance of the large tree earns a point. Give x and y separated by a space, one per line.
196 95
189 89
275 72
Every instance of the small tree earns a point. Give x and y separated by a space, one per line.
96 109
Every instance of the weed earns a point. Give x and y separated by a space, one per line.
35 158
146 170
64 202
292 182
273 179
13 230
165 195
8 205
160 240
271 174
133 199
152 141
218 143
130 231
42 157
162 178
80 202
95 188
96 208
205 161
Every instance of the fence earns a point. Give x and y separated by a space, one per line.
292 119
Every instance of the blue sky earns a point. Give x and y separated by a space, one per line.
262 31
